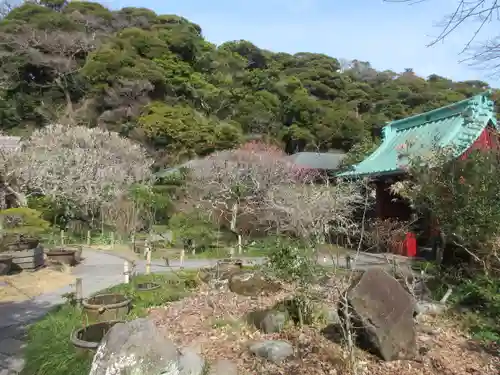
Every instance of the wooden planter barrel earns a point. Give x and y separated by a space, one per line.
78 250
27 260
5 264
87 339
104 307
67 257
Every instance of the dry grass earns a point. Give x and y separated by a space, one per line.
26 285
445 350
214 321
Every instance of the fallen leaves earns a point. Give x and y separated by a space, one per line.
214 320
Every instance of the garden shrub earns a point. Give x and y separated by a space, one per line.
385 235
194 229
463 196
481 295
22 222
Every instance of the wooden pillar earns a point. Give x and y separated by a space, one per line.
148 262
78 291
380 199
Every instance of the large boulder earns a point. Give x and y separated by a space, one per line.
383 311
252 283
137 347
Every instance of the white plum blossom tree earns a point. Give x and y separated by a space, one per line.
84 166
310 211
235 183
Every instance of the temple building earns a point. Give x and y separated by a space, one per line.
464 126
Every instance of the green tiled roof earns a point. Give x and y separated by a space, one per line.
318 160
458 125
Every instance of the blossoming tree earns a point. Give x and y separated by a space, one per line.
235 183
85 167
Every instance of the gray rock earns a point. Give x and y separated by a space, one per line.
223 367
383 311
136 347
331 315
273 350
430 308
274 321
268 321
191 363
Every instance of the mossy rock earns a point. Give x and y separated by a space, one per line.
222 271
312 311
252 283
269 320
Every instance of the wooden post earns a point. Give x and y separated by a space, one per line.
231 252
126 272
240 245
62 237
112 240
78 291
348 262
148 262
88 238
181 263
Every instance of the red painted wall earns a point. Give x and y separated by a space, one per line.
486 140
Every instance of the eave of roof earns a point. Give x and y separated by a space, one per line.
317 160
458 125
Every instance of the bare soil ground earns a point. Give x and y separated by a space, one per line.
214 322
26 285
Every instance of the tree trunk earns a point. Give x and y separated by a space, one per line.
234 216
20 197
69 104
3 206
3 199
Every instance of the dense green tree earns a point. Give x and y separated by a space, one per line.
156 79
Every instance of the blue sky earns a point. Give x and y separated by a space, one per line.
389 35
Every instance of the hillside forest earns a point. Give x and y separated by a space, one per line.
157 80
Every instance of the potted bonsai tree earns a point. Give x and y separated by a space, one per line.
20 228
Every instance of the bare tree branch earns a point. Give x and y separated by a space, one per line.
483 54
235 183
311 210
6 6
